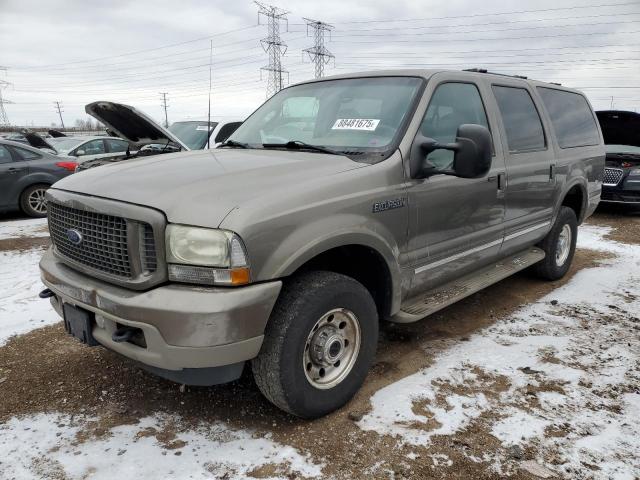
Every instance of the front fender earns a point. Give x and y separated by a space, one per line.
311 239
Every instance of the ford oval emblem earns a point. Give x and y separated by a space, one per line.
74 236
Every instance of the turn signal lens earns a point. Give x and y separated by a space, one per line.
240 276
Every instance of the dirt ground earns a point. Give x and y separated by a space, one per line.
47 371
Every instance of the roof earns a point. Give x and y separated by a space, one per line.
428 73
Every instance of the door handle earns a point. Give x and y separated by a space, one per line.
552 172
501 180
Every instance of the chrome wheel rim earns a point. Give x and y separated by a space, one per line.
37 201
332 348
564 245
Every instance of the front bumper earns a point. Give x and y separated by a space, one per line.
185 327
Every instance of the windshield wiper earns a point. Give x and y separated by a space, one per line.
233 143
299 145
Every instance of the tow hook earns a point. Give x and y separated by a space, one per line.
123 334
46 293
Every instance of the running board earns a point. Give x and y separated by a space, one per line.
422 305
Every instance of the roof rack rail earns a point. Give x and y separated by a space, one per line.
484 70
556 83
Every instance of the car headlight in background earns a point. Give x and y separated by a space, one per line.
635 172
206 256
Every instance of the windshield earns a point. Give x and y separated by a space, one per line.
192 134
64 145
351 116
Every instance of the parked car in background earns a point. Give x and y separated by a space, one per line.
25 175
287 245
621 131
139 129
89 147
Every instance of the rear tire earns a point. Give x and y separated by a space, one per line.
319 344
559 246
32 201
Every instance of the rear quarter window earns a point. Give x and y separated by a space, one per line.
571 118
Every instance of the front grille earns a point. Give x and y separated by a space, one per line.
148 249
612 176
104 245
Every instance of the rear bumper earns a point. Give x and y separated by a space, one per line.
184 327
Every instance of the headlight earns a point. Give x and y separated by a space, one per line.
206 256
635 172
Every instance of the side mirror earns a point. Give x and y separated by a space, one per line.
472 157
79 153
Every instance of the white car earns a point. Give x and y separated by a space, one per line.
144 133
89 147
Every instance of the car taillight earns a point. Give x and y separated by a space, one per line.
71 166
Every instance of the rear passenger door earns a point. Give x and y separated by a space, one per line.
530 185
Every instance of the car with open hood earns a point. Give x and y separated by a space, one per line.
141 130
339 202
621 131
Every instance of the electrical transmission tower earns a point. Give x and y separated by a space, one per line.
319 54
273 45
4 118
59 110
165 106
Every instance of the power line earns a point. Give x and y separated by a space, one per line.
138 51
319 54
576 7
273 45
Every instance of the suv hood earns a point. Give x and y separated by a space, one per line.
202 187
620 127
131 124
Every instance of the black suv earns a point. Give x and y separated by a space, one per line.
621 131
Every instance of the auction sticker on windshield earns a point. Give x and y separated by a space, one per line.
368 124
202 127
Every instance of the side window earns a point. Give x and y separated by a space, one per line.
94 147
226 130
116 145
571 117
520 118
451 105
5 155
27 154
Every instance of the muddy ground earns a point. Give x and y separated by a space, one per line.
47 371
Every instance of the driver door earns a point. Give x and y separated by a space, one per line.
456 224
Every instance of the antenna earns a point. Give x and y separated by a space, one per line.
209 112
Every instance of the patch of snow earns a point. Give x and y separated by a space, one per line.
33 227
47 446
21 310
579 392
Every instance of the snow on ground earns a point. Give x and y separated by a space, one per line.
21 310
560 375
34 227
54 446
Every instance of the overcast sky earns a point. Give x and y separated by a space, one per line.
77 52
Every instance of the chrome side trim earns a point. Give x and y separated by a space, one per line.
457 256
527 230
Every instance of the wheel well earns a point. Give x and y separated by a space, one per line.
361 263
574 199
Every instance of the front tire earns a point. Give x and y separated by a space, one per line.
32 200
559 246
319 344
